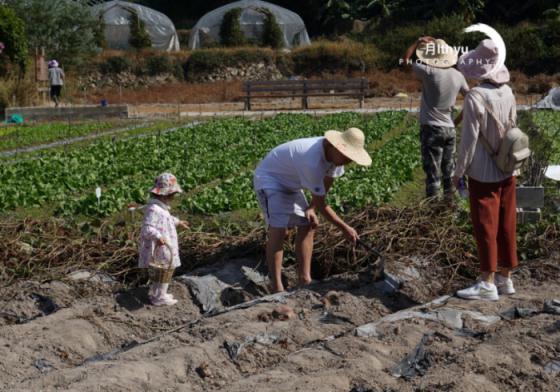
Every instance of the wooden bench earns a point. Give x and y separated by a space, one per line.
304 89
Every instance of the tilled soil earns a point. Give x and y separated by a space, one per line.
95 336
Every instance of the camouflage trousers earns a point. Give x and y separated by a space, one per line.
438 150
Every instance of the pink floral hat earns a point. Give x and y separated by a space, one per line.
166 184
53 63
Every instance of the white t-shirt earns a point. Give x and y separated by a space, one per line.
296 165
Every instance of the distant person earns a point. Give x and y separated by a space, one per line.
279 180
159 234
56 81
489 110
440 85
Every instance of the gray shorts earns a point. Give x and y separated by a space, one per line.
283 209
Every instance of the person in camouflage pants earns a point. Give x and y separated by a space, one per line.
438 151
440 85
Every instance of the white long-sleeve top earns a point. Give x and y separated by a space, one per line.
473 159
158 223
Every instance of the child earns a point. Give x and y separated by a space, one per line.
158 230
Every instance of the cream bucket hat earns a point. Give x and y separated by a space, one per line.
437 54
351 144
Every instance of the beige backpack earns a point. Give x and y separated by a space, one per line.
514 147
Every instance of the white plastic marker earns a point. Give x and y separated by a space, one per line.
98 195
494 36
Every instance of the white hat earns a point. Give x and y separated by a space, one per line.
437 54
350 144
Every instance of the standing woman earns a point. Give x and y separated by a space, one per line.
56 80
489 110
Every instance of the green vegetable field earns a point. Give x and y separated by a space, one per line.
213 162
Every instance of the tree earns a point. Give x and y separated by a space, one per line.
139 38
230 29
272 34
13 42
65 28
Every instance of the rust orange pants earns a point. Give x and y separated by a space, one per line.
493 215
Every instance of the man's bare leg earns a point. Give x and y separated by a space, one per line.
274 256
304 251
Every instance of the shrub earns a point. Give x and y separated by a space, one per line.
393 41
272 34
157 65
525 49
208 60
285 64
12 36
334 57
230 29
115 65
139 38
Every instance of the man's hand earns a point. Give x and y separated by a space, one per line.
350 234
426 39
184 224
162 241
312 217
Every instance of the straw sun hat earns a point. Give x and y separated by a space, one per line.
351 144
437 54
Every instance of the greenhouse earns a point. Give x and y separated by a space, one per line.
252 20
116 19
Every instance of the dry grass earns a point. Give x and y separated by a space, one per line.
382 84
50 249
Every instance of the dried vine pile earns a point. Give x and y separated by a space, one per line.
438 236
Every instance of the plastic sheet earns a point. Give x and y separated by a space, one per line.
551 101
252 23
116 14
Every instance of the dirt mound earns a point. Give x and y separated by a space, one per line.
348 334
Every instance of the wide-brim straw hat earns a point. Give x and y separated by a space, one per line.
351 144
479 64
165 185
437 54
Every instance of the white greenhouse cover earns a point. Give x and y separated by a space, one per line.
551 101
116 15
252 22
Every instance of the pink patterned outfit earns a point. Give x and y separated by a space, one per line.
158 223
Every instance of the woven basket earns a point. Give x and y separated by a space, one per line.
161 271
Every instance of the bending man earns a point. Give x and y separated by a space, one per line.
279 180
